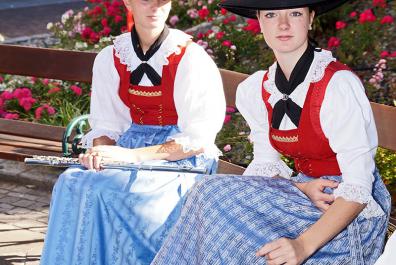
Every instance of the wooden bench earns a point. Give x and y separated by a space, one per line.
19 139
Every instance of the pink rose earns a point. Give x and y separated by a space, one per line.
173 20
367 16
11 116
230 109
76 89
226 43
220 35
353 14
380 3
227 119
384 54
227 148
22 93
7 95
340 24
334 42
26 103
387 20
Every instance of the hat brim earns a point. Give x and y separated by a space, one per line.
245 9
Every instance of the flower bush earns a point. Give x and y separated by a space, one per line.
361 34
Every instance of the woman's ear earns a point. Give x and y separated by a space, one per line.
127 4
311 18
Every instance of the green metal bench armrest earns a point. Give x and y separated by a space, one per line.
78 123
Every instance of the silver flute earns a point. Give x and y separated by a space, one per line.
56 161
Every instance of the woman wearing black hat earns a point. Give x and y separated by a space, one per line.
313 109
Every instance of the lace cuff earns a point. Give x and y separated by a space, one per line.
87 140
210 150
356 193
268 169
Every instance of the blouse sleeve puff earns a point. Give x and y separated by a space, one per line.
266 161
108 114
348 123
199 101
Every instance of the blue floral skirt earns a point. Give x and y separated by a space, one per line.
226 219
117 216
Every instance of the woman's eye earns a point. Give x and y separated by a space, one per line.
269 15
296 14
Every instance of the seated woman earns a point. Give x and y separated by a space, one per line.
157 99
313 109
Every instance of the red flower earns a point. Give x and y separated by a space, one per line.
45 81
223 11
76 89
53 90
393 54
39 111
380 3
22 93
203 13
340 24
220 35
124 29
226 21
230 110
86 33
106 31
11 116
104 22
6 95
334 42
94 37
118 19
353 14
1 79
384 54
227 119
387 20
200 35
253 26
367 16
226 43
26 103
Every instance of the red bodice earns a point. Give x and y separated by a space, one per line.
307 144
150 105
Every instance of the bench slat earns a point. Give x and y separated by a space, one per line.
385 120
47 63
19 154
31 130
32 144
225 167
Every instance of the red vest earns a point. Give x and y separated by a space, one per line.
307 144
150 105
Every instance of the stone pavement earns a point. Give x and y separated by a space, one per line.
23 222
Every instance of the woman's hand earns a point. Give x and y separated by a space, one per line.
314 191
97 155
284 251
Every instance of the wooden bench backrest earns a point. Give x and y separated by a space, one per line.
77 66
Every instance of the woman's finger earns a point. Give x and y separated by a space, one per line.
267 248
326 197
96 162
322 205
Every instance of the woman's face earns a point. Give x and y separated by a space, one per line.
149 14
286 31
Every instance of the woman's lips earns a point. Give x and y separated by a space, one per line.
284 37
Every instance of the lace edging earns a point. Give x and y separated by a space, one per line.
87 140
268 169
322 60
359 194
173 44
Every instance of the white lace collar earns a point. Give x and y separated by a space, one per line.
172 44
316 72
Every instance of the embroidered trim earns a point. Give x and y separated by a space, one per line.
175 41
144 93
285 139
268 169
356 193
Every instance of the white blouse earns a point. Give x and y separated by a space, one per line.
346 119
198 92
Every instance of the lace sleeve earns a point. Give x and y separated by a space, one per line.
356 193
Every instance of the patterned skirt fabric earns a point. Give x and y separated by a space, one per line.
226 219
117 216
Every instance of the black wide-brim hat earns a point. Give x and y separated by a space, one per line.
248 8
